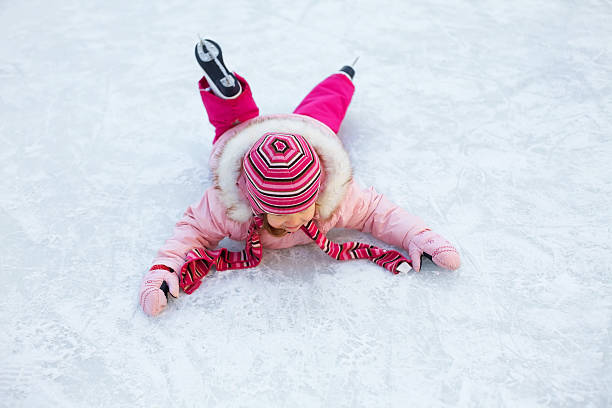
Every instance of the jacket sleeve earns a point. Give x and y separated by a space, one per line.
368 211
202 225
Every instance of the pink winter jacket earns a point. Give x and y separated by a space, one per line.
224 210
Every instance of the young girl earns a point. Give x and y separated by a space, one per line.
280 180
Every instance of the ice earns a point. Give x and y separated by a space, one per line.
491 120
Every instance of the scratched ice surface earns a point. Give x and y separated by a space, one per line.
491 120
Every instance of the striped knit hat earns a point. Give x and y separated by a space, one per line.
283 174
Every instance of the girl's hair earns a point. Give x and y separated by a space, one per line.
277 232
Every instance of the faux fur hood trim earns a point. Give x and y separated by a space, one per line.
228 153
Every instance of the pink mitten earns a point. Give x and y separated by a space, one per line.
152 297
442 252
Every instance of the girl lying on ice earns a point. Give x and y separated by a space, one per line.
280 180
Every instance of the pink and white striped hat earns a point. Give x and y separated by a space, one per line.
283 174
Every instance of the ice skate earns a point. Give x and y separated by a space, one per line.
348 70
222 81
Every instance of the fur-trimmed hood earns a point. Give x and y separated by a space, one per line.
226 161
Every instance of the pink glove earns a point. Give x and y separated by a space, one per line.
152 298
442 252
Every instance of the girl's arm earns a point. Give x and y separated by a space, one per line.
202 225
368 211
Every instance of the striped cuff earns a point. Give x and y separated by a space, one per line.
164 267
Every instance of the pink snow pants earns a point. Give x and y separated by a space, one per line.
327 102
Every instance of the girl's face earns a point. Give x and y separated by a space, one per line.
291 222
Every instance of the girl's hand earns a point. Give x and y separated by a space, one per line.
152 297
442 252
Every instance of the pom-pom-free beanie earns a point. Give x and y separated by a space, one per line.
283 174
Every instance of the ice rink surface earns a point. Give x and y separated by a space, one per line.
491 120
